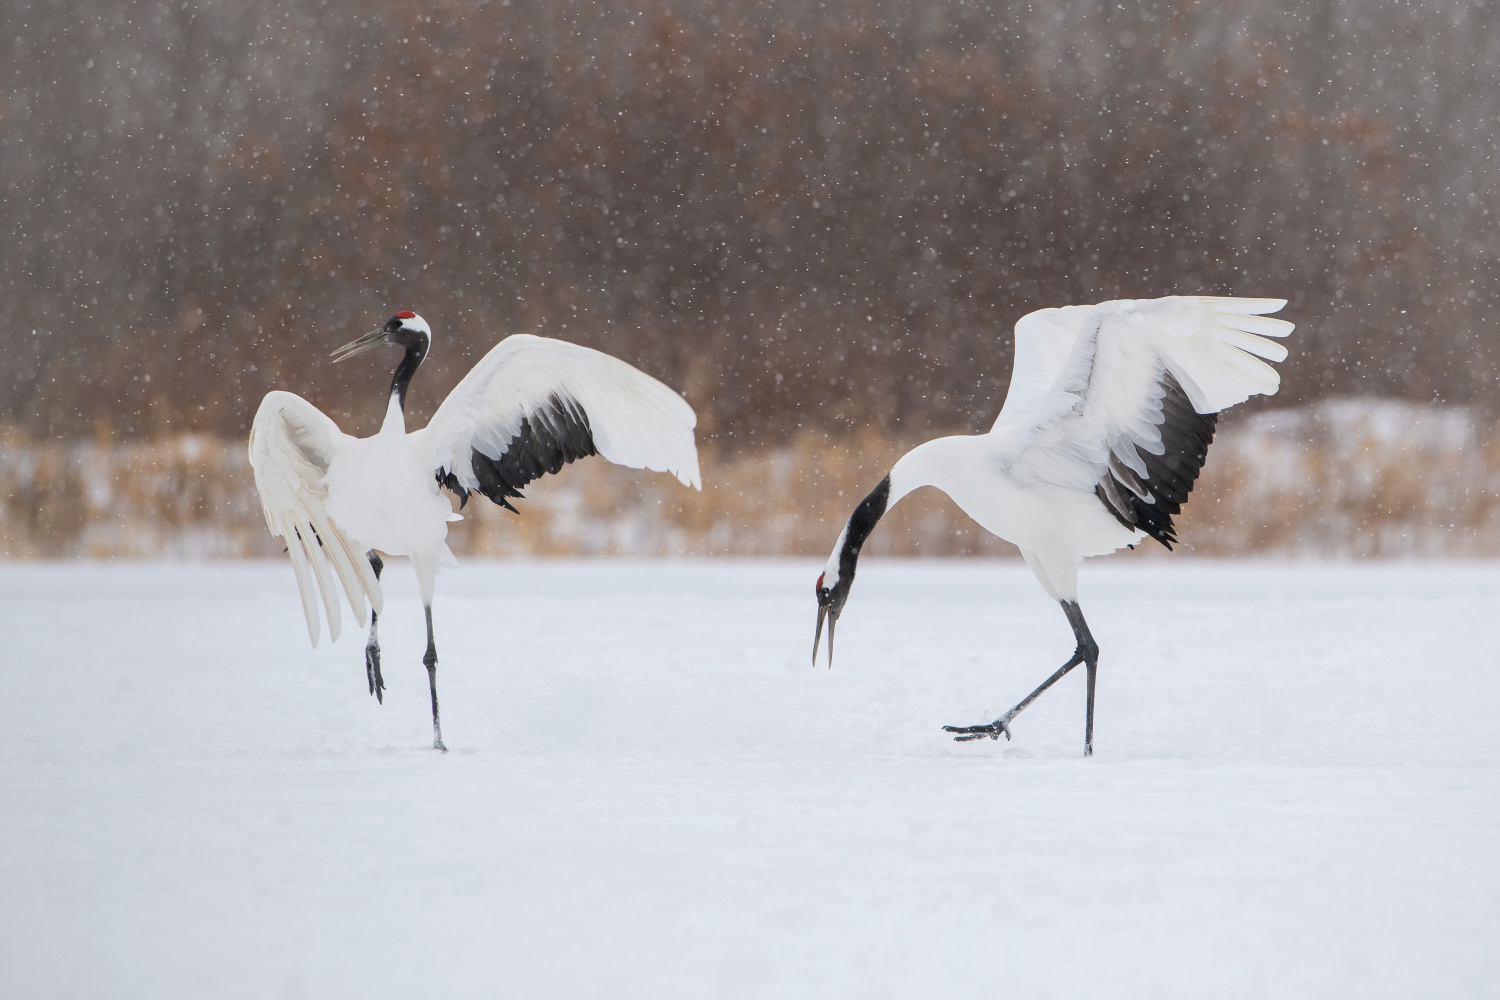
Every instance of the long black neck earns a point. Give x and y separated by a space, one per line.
861 523
410 362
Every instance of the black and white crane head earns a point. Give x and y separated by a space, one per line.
406 330
1107 423
529 407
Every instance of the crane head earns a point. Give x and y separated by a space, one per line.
405 329
830 605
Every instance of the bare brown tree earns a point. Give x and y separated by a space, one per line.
802 214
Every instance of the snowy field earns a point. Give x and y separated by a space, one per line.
651 793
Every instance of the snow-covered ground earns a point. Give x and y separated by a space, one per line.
653 794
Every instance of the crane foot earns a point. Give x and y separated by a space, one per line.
993 730
372 672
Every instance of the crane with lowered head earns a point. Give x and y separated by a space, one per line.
1107 423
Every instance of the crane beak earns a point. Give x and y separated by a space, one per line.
375 338
818 635
833 619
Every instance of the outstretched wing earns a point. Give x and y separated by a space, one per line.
1122 397
291 446
532 405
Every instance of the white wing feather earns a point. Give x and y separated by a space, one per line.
291 446
635 420
1088 380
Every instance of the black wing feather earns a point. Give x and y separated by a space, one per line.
1186 435
556 434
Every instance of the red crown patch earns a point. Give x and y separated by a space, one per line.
406 314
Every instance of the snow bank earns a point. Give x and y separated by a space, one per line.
1351 477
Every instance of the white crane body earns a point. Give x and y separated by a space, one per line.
409 514
1054 526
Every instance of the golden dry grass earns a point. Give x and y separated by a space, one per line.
1349 478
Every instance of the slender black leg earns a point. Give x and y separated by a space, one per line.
372 645
430 659
1088 722
1090 650
1087 652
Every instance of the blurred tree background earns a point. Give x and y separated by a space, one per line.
800 214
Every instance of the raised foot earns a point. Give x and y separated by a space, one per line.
372 673
993 730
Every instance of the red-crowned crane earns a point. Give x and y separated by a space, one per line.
1110 413
529 407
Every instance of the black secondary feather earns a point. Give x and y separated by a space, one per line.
1185 436
550 437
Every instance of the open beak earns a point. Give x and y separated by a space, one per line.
375 338
833 619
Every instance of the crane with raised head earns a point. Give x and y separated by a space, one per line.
529 407
1107 423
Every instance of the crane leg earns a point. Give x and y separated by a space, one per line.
1087 653
372 645
429 659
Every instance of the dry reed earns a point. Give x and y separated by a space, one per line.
1345 478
